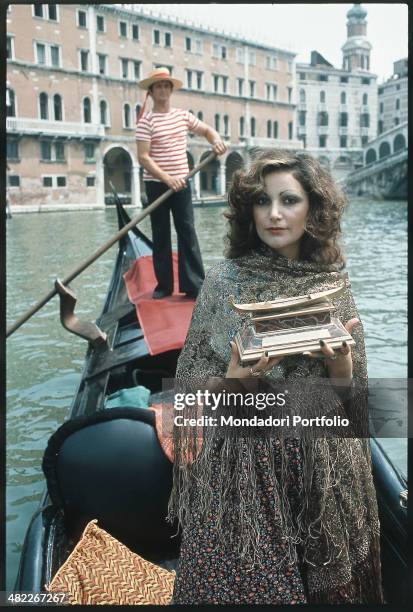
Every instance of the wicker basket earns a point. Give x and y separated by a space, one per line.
101 570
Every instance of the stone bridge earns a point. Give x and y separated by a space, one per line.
386 144
384 174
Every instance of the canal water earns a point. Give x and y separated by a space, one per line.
44 361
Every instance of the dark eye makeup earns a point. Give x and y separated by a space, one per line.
262 200
288 199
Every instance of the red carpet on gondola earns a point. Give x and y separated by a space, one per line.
164 322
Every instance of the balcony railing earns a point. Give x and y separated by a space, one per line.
365 109
322 107
302 130
302 106
342 131
364 131
25 125
322 130
343 108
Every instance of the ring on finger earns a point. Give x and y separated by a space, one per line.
255 373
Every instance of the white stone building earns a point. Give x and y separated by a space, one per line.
392 98
337 107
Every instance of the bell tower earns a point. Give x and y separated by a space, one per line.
356 49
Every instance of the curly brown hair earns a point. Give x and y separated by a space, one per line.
320 240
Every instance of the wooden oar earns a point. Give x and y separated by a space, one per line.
105 247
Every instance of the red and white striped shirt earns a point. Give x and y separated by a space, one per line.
167 134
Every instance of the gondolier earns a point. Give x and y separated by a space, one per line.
161 136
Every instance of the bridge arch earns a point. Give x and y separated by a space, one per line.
399 143
384 150
371 156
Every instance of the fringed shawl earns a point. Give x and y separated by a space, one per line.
335 533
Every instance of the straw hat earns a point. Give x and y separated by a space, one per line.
159 74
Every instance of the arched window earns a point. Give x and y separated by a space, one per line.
137 111
226 125
10 103
343 97
126 115
275 129
103 107
87 116
290 130
44 105
217 122
57 107
201 116
242 126
397 103
253 127
365 99
322 97
302 95
269 128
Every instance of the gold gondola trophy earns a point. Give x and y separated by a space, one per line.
290 326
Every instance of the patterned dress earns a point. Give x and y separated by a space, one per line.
210 574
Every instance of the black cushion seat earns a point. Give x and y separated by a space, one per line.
110 466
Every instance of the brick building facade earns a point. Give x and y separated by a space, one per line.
72 99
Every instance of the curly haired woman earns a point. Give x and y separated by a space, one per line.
277 520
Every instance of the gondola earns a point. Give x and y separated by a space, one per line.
107 464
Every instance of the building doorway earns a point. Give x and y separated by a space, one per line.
117 167
209 177
191 181
342 166
233 162
324 161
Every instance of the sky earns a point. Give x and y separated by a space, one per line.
304 27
